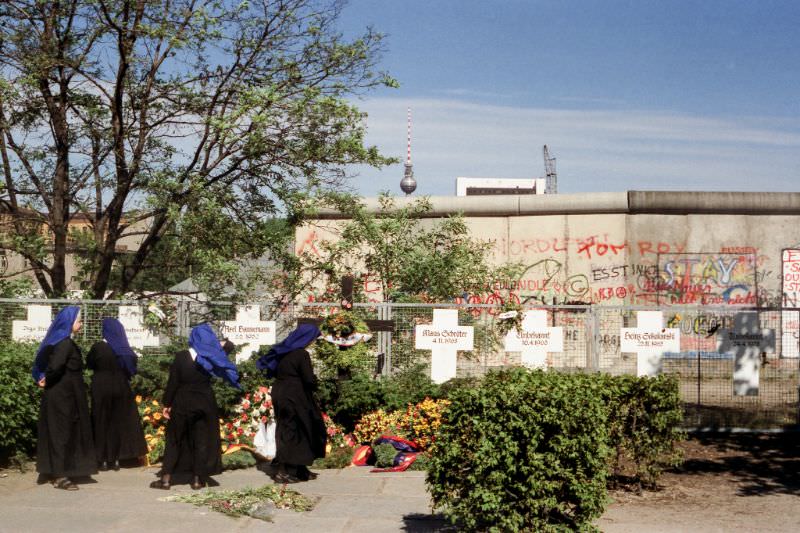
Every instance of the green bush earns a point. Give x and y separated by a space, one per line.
19 400
238 460
384 455
346 401
151 376
524 451
644 425
338 457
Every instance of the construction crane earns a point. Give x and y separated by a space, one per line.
550 184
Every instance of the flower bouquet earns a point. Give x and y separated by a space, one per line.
344 329
252 412
154 425
343 346
510 317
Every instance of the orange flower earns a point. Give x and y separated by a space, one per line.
138 398
156 416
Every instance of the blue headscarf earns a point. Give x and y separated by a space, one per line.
114 334
211 356
301 337
60 329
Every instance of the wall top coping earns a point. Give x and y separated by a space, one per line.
626 202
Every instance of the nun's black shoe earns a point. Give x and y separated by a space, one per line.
65 484
197 484
115 467
284 478
159 484
102 466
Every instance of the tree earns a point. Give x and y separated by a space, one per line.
412 259
197 118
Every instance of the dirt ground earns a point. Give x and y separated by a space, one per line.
739 482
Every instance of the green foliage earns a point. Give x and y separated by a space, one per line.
152 374
271 114
524 451
346 401
645 415
384 455
409 259
238 460
409 386
422 462
19 400
336 359
338 457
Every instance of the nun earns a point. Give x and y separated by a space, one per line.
64 447
118 433
300 434
193 448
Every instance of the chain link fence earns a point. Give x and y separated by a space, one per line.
591 342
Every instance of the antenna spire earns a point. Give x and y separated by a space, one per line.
408 184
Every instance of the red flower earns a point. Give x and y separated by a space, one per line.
264 419
240 431
229 426
231 436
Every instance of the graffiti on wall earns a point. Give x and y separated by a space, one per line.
790 292
705 279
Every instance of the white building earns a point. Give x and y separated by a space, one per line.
492 186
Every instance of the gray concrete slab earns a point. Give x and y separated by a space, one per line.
350 500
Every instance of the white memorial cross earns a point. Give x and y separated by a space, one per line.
649 340
35 327
444 338
248 329
747 341
132 319
535 340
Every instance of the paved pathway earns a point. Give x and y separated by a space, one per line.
351 500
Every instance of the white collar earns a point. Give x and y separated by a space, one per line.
193 353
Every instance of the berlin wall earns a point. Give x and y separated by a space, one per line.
629 248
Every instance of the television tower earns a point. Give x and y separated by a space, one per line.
408 183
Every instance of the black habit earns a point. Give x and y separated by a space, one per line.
300 433
193 444
117 428
64 442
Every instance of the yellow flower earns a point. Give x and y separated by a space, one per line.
138 398
147 410
146 418
155 403
156 416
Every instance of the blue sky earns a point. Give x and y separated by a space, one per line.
628 95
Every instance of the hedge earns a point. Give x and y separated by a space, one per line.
532 450
524 451
19 400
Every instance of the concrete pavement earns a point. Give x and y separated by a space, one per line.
352 500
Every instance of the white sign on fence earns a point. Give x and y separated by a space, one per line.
649 340
747 341
35 327
535 340
444 338
248 329
790 320
132 319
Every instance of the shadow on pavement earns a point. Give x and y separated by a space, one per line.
421 523
763 464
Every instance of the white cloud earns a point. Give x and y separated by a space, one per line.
602 150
